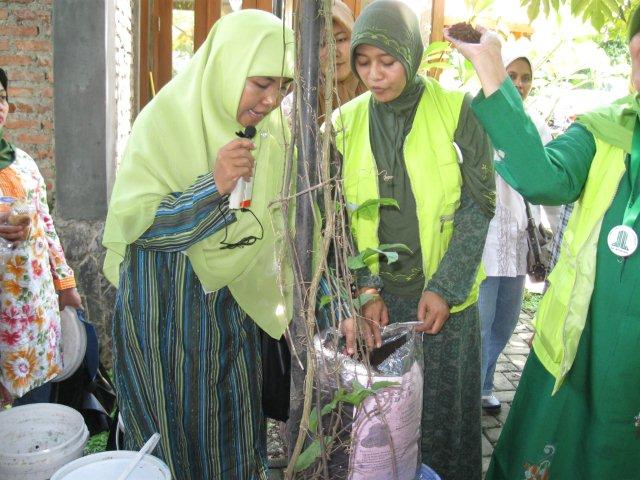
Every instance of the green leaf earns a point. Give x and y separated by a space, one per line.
577 7
363 299
357 398
356 386
613 6
365 208
308 456
430 65
598 11
329 407
338 396
384 384
358 393
325 299
360 260
546 8
534 9
401 247
391 257
313 420
481 5
437 47
355 262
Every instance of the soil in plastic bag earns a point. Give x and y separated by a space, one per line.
380 439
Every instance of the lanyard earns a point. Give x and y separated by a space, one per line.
632 210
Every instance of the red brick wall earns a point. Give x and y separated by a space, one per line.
26 53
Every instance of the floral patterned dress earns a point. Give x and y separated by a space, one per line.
29 277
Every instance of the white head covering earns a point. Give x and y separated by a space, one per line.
505 195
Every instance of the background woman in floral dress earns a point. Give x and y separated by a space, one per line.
35 280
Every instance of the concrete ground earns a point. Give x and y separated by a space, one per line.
508 371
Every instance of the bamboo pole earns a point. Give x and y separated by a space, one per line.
437 21
308 27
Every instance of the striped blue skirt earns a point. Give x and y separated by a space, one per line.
187 365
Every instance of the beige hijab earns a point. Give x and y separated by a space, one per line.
352 86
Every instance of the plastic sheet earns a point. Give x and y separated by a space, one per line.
382 439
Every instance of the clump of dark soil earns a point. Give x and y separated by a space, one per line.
465 32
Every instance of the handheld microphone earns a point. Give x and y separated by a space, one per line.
240 197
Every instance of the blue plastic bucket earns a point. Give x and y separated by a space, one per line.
425 473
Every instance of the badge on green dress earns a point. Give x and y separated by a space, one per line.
622 240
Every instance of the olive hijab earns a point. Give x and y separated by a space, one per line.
7 152
175 140
393 27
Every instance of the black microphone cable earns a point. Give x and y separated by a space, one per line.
249 132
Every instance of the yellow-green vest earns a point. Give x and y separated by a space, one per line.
432 166
563 310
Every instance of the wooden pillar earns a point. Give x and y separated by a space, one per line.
163 13
207 12
307 51
265 5
144 66
437 21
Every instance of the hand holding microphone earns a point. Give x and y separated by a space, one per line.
241 195
234 166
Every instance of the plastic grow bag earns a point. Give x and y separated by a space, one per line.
381 436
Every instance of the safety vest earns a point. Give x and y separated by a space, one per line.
432 165
563 310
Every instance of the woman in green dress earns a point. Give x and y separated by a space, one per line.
576 412
411 140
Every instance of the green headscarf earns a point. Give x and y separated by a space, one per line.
393 27
614 124
7 152
176 138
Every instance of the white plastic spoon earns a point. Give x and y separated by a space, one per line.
146 448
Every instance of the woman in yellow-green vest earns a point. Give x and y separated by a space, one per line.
411 140
576 414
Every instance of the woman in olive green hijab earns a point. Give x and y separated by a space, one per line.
189 270
411 140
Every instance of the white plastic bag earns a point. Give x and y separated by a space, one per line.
385 429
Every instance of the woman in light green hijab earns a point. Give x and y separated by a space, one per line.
189 270
576 413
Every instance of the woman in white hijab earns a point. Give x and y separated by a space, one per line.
505 254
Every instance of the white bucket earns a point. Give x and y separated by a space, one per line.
38 439
74 343
109 466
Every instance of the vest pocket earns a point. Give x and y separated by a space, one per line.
446 220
